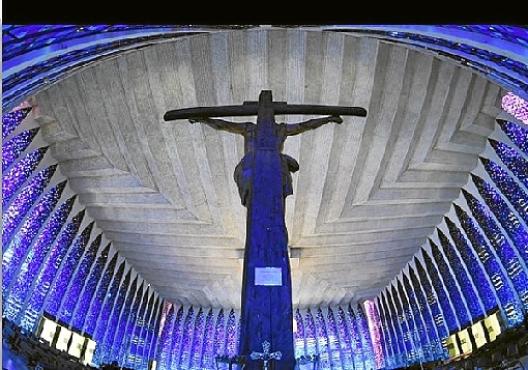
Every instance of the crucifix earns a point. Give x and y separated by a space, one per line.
266 356
263 178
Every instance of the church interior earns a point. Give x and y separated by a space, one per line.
123 234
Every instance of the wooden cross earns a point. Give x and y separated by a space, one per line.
264 181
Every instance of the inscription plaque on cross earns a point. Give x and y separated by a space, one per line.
263 178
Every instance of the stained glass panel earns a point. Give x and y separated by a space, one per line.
12 149
447 312
47 274
13 179
507 297
460 276
11 120
517 134
89 291
71 297
23 202
22 286
19 246
508 187
511 261
509 221
67 268
106 327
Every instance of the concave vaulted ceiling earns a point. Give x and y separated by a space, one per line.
367 196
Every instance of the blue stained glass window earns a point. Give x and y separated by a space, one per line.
186 339
507 33
104 334
511 262
513 192
136 344
34 260
125 339
219 334
115 340
335 342
24 201
486 292
406 317
385 341
208 350
508 299
298 335
239 334
427 342
47 274
449 316
148 334
138 341
177 340
355 339
512 159
403 344
311 342
344 332
19 246
196 349
428 301
13 179
322 339
356 335
152 335
71 297
165 340
231 334
135 327
396 308
468 295
148 329
164 335
392 354
395 330
423 322
11 120
504 215
414 324
12 149
100 294
517 134
57 290
89 290
144 330
368 353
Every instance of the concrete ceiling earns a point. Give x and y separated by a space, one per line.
369 191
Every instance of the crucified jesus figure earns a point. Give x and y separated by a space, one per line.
248 130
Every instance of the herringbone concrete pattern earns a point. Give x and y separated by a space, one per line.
368 193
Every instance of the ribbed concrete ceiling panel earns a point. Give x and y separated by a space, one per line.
369 191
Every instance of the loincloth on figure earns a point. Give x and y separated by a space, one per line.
242 176
288 165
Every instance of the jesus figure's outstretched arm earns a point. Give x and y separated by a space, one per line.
298 128
220 124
